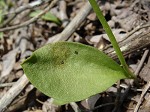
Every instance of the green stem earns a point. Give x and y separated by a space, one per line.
111 36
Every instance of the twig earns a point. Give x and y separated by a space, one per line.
147 86
74 106
135 30
141 98
100 106
40 101
73 25
141 62
13 92
28 6
138 42
62 12
20 9
19 102
103 105
31 20
6 84
130 33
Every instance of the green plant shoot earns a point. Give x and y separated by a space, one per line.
111 36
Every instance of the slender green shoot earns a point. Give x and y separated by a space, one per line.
111 36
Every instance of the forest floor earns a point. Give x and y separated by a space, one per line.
22 32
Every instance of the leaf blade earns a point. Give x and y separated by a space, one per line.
71 71
48 16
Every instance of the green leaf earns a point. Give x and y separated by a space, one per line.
48 16
3 8
68 71
1 35
1 16
2 4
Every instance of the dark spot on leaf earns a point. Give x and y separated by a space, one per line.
62 62
76 52
33 59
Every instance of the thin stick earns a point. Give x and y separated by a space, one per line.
21 9
6 84
147 86
13 92
73 25
28 6
74 106
100 106
130 33
141 98
141 62
62 13
137 43
135 30
31 20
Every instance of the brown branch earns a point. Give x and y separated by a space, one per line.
13 92
73 25
135 30
142 95
137 43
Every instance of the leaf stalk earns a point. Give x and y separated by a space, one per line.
111 36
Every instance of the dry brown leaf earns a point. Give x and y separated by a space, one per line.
9 60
